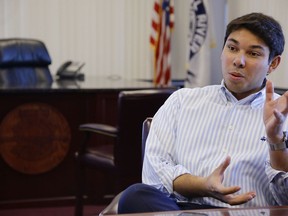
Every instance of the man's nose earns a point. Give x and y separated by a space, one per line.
239 60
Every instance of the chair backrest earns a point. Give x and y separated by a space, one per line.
112 208
24 62
134 107
145 131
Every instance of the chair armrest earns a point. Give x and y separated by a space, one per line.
99 128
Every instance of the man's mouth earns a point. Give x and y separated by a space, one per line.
236 75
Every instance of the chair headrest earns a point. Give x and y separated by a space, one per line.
23 52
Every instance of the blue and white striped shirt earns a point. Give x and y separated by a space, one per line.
197 128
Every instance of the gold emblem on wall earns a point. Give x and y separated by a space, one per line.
34 138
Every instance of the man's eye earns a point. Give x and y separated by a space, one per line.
254 54
232 48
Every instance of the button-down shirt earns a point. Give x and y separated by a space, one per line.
197 128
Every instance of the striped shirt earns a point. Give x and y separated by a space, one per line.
197 128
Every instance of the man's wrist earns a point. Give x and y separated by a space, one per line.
278 146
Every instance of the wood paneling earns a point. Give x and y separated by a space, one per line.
82 104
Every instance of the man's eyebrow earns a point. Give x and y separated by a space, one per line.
252 47
257 47
233 40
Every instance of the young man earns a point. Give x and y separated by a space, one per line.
221 145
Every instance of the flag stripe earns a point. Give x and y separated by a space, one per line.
160 40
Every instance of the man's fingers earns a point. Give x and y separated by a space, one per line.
228 195
223 166
269 90
229 190
284 108
279 116
239 199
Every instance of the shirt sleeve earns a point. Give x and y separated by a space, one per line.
278 181
160 167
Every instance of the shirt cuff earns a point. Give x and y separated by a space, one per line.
272 173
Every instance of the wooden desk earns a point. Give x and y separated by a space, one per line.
266 211
39 134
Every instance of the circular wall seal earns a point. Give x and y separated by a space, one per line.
34 138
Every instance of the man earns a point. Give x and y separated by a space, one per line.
221 145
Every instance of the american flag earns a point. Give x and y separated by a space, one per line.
160 40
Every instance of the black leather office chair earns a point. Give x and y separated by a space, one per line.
112 208
122 160
23 63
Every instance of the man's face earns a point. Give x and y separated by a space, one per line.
244 63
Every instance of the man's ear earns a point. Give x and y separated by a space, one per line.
274 63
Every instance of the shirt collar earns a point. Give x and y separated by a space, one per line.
255 100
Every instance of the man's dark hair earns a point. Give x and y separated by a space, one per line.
263 26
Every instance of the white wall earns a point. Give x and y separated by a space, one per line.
112 36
